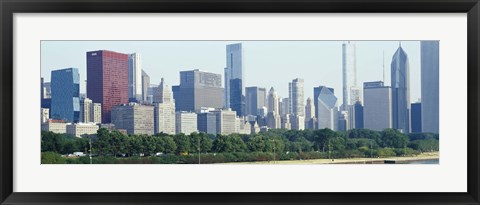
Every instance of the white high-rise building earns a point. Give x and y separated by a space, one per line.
296 97
326 109
44 115
145 86
85 110
297 122
349 75
96 113
430 85
310 114
273 117
90 112
285 122
186 122
273 101
377 110
164 111
226 121
135 77
233 70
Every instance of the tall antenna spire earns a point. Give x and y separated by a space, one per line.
383 57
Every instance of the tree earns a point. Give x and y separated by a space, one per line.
231 143
169 144
102 143
52 158
117 143
256 144
183 143
393 138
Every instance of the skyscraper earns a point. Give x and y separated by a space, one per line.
207 122
296 99
135 77
186 122
133 117
41 90
233 70
358 113
107 80
273 117
226 121
237 99
164 109
316 93
256 98
349 74
145 85
310 114
377 110
96 113
416 117
44 115
326 108
85 110
65 95
297 122
430 85
400 79
198 89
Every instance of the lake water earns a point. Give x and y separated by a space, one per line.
428 161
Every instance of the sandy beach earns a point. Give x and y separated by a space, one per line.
398 160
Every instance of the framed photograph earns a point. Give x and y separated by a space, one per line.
250 102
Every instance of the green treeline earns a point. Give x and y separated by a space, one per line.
115 147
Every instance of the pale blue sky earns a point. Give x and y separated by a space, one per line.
266 63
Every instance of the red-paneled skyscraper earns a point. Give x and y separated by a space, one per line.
107 80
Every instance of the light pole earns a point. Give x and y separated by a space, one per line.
90 149
198 142
274 147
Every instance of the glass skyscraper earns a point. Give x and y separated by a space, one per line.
316 93
107 80
145 85
349 75
65 85
430 85
237 100
135 77
400 83
377 108
256 98
296 98
416 117
233 70
326 108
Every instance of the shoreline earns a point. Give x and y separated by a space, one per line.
398 160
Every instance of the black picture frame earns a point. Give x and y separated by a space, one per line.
9 7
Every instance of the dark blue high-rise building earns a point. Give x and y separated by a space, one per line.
400 79
237 100
416 117
207 123
358 109
65 86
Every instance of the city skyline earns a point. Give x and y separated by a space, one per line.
261 58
